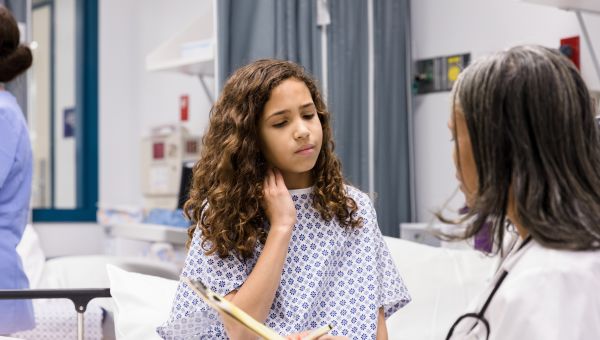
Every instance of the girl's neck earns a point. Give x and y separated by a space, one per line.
297 181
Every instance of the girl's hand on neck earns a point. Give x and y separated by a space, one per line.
277 202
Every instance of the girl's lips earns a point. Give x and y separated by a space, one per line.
305 149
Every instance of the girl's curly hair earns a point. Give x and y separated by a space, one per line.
225 199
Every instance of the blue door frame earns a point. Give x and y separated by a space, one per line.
86 153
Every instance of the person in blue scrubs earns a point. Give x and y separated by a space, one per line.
15 178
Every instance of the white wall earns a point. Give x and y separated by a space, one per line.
132 100
479 27
39 107
90 238
64 89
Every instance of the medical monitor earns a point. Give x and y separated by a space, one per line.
185 183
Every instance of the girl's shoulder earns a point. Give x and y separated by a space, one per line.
354 192
364 205
361 198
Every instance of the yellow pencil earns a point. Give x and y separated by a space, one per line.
318 332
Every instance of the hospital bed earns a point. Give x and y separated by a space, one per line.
79 297
71 295
441 281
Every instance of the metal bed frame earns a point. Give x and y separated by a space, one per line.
80 298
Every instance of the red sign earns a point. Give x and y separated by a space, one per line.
570 48
184 103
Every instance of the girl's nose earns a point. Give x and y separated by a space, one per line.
302 131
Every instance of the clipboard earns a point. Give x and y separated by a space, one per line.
222 305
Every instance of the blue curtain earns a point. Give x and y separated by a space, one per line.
282 29
348 100
392 160
347 89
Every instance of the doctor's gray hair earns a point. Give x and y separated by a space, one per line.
530 119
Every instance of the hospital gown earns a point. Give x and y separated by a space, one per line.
331 275
15 191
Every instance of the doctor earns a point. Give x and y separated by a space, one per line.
527 154
15 177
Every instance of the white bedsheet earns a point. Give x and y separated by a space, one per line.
56 319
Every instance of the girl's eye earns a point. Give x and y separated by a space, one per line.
309 116
280 124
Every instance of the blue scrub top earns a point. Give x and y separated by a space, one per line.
15 192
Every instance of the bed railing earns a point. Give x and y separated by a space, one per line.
80 298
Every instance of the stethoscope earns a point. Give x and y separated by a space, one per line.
479 317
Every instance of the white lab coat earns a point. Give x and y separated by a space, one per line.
547 294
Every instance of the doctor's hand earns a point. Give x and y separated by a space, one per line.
277 202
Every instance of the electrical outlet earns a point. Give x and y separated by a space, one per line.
438 74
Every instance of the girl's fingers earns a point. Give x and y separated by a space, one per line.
297 336
266 180
266 185
270 178
279 179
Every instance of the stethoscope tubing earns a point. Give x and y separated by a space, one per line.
480 315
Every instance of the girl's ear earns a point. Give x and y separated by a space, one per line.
262 162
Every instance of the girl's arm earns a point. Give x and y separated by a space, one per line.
381 331
381 327
256 295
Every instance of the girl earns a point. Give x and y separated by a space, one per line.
276 230
527 151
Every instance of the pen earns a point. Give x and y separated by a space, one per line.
318 332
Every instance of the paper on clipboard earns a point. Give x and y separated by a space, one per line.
220 304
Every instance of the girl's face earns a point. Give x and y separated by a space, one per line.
466 170
290 132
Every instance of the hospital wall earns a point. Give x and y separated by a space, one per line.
478 27
65 99
132 99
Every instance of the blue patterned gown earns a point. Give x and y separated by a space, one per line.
331 275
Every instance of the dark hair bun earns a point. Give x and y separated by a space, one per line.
15 63
14 58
